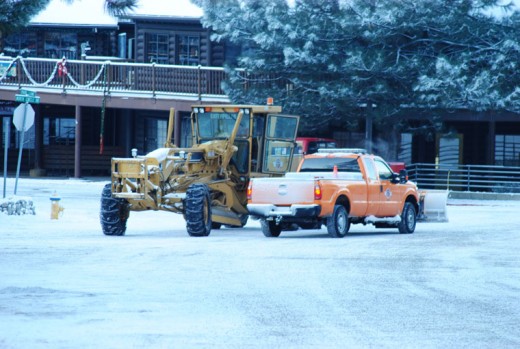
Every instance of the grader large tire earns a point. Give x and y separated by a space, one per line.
197 206
114 213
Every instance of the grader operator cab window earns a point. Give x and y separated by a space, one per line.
214 125
219 125
279 143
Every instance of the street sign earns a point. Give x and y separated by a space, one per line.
27 92
27 99
27 96
19 118
23 119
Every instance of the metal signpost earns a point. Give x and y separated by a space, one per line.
7 132
23 119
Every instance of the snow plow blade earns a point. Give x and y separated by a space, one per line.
432 206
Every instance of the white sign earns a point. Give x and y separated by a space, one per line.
18 117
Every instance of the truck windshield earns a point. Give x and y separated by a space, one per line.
220 125
327 165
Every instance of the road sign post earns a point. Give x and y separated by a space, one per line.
7 130
23 119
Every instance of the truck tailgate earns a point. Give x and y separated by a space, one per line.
282 191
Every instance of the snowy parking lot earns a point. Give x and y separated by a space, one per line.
64 284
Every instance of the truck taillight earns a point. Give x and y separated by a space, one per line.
317 191
249 190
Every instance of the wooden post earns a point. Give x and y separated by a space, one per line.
491 142
199 87
77 144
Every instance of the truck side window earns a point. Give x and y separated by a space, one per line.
384 171
370 168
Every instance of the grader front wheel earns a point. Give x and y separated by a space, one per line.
197 208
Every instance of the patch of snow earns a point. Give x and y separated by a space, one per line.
374 219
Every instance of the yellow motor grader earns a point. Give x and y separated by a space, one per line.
206 182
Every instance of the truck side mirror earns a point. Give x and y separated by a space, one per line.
403 176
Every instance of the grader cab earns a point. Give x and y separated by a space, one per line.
206 182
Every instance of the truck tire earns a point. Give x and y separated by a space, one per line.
197 207
114 213
270 228
408 219
338 224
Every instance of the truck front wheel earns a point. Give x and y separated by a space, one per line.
113 214
197 207
408 219
338 224
270 228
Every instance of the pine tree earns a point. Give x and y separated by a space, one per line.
329 60
15 14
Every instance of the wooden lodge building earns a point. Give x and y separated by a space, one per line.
123 76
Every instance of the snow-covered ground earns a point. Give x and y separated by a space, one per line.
63 284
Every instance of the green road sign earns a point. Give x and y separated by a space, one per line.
28 93
27 99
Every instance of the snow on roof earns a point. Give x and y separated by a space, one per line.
79 12
92 12
177 8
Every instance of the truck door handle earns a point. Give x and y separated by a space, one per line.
380 188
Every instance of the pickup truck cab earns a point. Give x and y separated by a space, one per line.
335 187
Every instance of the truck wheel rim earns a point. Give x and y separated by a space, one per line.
342 222
410 219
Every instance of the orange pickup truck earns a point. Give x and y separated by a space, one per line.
335 187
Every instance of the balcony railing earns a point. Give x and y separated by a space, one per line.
109 76
498 179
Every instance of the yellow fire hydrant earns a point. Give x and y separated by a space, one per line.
56 209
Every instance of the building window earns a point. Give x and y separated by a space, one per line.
59 131
58 45
507 150
22 44
189 50
157 48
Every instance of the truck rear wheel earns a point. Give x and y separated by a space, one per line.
408 219
197 208
270 228
338 224
113 214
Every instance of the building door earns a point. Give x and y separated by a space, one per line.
449 149
155 135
